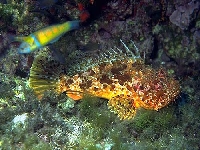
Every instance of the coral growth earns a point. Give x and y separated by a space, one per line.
181 16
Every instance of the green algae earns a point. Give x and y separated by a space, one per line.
14 11
95 111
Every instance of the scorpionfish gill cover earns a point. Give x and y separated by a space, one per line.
123 79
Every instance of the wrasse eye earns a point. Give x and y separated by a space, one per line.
24 48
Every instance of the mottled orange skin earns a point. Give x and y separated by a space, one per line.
127 84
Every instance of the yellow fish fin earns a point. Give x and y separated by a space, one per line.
123 106
21 38
44 75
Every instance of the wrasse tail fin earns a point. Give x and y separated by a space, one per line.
74 24
44 75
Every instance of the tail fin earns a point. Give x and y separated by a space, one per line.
74 24
44 75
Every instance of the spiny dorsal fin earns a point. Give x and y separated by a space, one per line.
88 60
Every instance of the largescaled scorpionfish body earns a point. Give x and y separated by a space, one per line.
124 80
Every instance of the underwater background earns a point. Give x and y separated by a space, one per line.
167 34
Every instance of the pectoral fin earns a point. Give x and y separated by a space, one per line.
122 106
20 38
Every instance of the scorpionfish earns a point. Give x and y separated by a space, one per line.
123 79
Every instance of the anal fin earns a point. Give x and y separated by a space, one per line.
75 96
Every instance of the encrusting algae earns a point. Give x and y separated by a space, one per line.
124 80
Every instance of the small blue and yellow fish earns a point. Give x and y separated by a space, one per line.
44 36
